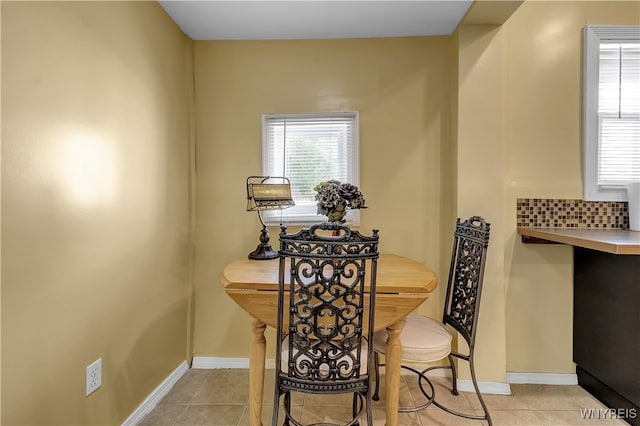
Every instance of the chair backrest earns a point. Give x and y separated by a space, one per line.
471 239
331 277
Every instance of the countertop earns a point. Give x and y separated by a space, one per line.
616 241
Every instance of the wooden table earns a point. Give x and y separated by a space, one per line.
402 285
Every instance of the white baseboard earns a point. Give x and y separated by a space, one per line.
155 396
207 362
519 378
542 378
498 388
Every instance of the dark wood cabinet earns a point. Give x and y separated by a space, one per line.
606 328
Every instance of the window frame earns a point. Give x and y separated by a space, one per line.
593 36
277 217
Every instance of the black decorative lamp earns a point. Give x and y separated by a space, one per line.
267 193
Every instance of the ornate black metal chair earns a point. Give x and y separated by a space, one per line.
427 340
326 304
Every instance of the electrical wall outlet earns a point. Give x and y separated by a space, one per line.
94 376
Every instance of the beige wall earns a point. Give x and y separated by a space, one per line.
480 178
401 87
95 197
518 136
542 135
512 106
96 115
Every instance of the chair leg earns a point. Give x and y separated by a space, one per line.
287 404
454 376
354 409
429 394
376 368
276 407
431 398
475 386
359 400
422 376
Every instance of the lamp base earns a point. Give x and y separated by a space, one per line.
263 252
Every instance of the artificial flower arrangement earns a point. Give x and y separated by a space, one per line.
335 198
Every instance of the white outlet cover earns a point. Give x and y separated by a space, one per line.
94 376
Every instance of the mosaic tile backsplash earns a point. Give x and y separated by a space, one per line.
553 213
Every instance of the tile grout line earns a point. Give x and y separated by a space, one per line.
522 395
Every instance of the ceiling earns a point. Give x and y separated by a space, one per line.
314 19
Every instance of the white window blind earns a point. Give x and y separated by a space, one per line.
619 114
309 149
611 111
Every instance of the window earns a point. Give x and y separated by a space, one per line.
611 111
309 149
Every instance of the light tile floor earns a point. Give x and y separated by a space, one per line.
219 397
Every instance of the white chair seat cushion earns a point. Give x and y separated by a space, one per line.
423 339
364 357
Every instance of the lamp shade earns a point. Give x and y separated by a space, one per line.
268 193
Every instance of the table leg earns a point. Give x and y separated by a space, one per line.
256 371
393 358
